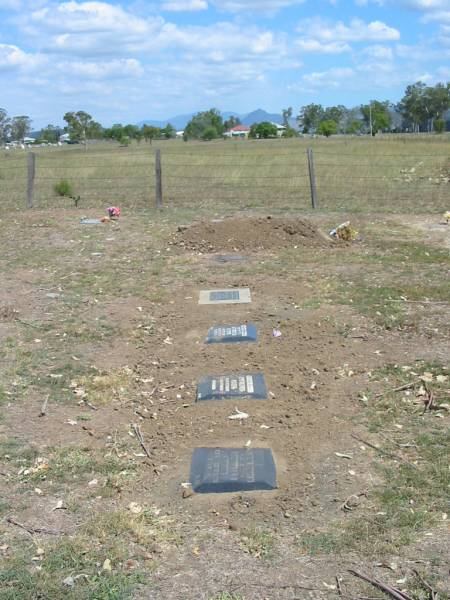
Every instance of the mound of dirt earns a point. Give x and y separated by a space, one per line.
249 234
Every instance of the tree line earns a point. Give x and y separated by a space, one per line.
80 126
13 127
422 109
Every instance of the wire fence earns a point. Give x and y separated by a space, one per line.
275 176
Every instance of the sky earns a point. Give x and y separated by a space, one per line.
131 60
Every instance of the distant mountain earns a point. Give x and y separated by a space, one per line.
260 115
180 121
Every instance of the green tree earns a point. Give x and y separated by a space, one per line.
20 127
378 113
131 131
310 117
231 122
168 131
289 131
210 133
203 120
439 125
287 115
353 127
81 126
150 133
113 133
5 125
437 102
263 130
336 114
327 128
50 133
412 106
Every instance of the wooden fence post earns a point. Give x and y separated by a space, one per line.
158 179
312 177
31 170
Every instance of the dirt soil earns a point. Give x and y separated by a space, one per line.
249 234
314 376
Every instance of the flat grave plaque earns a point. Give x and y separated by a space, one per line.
225 258
234 296
90 221
241 385
222 470
226 334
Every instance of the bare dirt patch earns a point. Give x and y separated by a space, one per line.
117 341
249 234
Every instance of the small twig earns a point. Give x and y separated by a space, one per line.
429 404
338 584
138 412
433 594
407 386
418 301
387 589
381 451
398 444
140 437
89 405
29 324
32 530
44 407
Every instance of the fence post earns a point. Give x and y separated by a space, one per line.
158 179
31 169
312 177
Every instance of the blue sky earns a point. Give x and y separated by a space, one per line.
131 60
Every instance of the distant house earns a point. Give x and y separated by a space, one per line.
280 129
239 131
29 140
179 134
65 137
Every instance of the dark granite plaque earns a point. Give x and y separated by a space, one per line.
225 258
222 470
241 385
226 295
225 334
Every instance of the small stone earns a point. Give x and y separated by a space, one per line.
107 565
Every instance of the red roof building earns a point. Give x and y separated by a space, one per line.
238 131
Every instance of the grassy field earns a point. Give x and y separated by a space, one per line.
101 326
388 174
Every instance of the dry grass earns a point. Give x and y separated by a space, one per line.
389 174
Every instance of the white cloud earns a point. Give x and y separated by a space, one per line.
427 5
331 78
96 29
442 16
383 73
317 47
93 42
9 4
254 5
76 17
357 30
379 52
114 69
12 57
184 5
